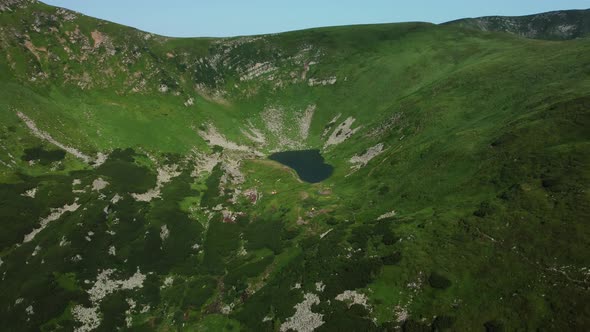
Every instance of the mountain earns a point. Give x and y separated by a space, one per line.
153 183
557 25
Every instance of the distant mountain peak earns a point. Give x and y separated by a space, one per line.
556 25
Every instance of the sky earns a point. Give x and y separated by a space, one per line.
221 18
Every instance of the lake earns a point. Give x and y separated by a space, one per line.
309 164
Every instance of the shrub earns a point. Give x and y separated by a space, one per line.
439 281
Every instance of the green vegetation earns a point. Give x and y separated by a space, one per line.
136 193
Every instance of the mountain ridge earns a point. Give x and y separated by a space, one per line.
554 25
485 23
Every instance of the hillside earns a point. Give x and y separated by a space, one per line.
139 188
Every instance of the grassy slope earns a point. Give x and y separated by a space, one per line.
486 166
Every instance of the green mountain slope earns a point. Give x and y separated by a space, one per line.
558 25
136 192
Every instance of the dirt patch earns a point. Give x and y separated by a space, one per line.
35 50
98 38
252 195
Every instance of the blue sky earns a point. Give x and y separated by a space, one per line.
214 18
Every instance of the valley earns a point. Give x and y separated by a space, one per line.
391 177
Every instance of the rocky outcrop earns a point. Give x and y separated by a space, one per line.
10 5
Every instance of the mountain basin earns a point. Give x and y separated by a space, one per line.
309 164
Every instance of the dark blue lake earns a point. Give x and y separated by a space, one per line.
309 164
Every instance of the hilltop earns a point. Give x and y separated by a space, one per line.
136 189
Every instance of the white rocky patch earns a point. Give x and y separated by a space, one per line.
401 314
330 124
320 286
112 251
105 286
566 29
128 313
387 215
45 136
343 132
100 159
63 242
189 102
305 122
304 320
99 184
205 163
30 310
227 309
315 81
164 232
214 137
323 235
55 215
88 317
254 134
231 172
168 282
290 130
273 119
360 161
353 297
116 199
30 193
165 175
257 70
36 251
